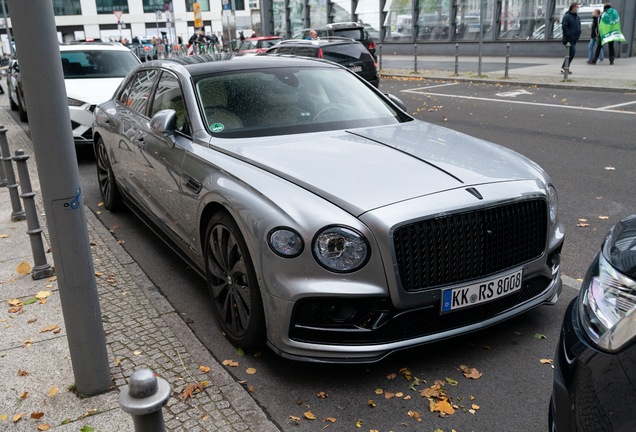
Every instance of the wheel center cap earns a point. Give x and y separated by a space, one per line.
229 279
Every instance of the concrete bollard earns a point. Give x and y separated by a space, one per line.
566 68
143 399
41 269
507 59
414 58
456 59
380 55
17 214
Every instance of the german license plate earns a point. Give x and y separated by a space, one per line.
355 68
470 295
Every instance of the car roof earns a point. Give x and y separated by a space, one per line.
263 38
105 46
211 63
320 41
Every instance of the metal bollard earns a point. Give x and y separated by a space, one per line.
3 175
507 59
380 55
42 269
17 214
456 59
414 58
566 68
143 399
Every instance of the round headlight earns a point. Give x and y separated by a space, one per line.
553 203
286 242
341 249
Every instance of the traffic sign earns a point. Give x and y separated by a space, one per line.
159 14
196 8
166 7
171 7
118 14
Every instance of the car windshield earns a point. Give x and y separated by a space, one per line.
286 101
357 34
97 64
266 43
247 45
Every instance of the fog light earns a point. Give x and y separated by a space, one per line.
340 311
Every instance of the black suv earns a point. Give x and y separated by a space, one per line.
346 52
348 30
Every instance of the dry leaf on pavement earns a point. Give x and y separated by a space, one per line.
330 419
204 369
137 353
48 328
546 361
443 407
470 372
22 373
37 415
310 416
24 395
190 389
582 225
52 279
15 309
415 415
230 363
4 235
53 391
388 395
322 395
23 268
18 417
250 371
14 302
603 217
42 295
371 403
44 427
391 376
610 168
475 407
379 391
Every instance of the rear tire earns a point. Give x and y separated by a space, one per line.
23 114
13 105
233 285
106 179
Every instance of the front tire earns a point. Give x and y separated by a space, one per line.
233 285
21 111
13 105
106 179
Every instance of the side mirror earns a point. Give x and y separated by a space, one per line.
164 122
397 101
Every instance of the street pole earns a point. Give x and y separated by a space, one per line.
481 33
49 121
6 25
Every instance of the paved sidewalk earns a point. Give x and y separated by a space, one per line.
619 77
142 331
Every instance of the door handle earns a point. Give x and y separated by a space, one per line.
140 142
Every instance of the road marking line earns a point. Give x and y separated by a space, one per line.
423 88
618 105
514 93
520 102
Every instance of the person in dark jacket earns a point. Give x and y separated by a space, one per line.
596 36
571 26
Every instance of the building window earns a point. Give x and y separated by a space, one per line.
155 5
110 6
67 7
239 4
205 5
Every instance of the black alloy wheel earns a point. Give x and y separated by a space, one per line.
232 283
106 179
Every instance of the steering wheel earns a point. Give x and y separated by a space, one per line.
324 110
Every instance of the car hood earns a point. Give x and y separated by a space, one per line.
92 90
364 169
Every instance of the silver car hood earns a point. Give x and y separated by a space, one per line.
364 169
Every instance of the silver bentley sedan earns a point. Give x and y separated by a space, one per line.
328 223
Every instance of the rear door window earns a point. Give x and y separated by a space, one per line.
168 96
356 34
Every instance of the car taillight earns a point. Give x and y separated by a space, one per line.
320 53
375 65
372 45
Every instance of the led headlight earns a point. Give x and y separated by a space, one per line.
286 242
607 307
553 203
341 249
74 102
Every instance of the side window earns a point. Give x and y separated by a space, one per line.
307 51
140 90
123 96
168 96
285 50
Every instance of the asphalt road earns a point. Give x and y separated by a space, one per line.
573 145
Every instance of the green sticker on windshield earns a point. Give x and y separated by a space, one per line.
217 127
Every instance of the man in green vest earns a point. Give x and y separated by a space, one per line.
610 30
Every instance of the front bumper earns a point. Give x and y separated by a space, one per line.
593 390
81 123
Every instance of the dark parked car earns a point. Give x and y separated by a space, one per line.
349 30
346 52
327 222
595 365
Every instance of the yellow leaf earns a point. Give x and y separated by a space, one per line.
15 302
28 341
250 371
100 204
24 395
4 235
137 353
472 398
399 394
42 295
204 369
359 423
204 418
230 363
52 279
205 383
407 397
18 417
379 391
415 415
444 406
310 416
546 361
48 328
117 361
330 419
49 286
44 427
475 407
563 100
371 403
603 217
43 301
23 268
3 417
53 391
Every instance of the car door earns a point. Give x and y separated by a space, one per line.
159 158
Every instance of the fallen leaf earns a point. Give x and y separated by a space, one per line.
472 398
250 371
471 372
329 419
472 411
22 373
190 389
379 391
310 416
48 328
415 415
399 394
371 403
99 274
444 407
23 268
252 389
52 279
391 376
204 418
37 415
230 363
475 407
563 100
388 395
322 395
121 241
582 225
44 427
100 204
539 336
117 361
204 369
603 217
87 429
599 197
42 295
4 235
546 361
15 309
240 352
359 423
43 301
53 391
57 331
610 168
24 395
3 417
14 302
18 417
137 353
451 381
407 397
486 347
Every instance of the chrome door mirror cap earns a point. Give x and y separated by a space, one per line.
164 122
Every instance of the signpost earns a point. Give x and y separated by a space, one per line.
119 14
198 20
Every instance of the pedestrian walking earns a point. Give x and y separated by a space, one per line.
596 37
610 29
571 26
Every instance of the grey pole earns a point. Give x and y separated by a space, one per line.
17 214
143 399
507 59
566 69
52 137
3 174
456 59
481 33
414 58
6 24
380 55
41 269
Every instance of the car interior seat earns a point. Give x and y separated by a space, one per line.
214 96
